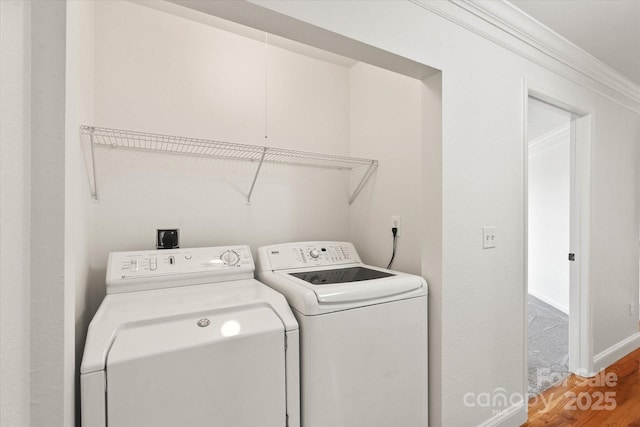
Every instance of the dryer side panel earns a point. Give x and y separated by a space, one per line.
92 397
182 372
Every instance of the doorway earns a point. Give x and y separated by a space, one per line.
557 186
549 190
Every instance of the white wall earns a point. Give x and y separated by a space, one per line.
481 292
38 255
15 206
431 229
549 221
386 125
137 74
146 80
482 184
51 321
614 221
51 402
78 206
159 73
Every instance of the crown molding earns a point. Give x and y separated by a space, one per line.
548 140
504 24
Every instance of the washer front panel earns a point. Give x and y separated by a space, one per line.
365 367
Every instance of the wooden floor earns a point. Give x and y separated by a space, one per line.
612 398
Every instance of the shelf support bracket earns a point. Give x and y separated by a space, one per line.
255 177
93 186
372 167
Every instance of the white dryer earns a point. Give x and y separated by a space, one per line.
187 337
363 335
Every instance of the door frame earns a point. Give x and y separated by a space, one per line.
580 304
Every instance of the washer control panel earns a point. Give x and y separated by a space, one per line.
306 254
127 271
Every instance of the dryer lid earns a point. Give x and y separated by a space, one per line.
118 312
154 338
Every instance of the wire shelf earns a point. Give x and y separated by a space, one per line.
172 144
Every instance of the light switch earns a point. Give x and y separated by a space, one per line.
488 237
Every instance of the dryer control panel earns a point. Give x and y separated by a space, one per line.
154 269
306 254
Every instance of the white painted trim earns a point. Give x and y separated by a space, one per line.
514 415
525 238
616 352
504 24
580 324
580 304
550 139
581 308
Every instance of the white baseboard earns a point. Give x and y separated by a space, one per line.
514 416
616 352
552 303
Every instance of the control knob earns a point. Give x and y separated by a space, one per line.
230 257
314 253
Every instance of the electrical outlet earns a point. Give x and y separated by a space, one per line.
168 238
395 223
632 309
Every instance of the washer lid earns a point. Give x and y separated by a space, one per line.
341 275
125 310
365 289
337 293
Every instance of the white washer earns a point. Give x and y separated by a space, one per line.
363 335
187 337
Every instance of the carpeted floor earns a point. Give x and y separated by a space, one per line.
548 346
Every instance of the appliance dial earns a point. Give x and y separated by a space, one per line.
230 257
314 253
